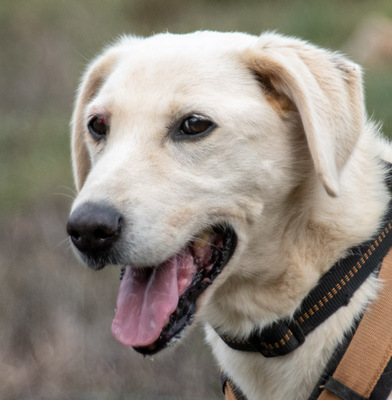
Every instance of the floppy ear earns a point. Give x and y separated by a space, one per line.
325 88
91 83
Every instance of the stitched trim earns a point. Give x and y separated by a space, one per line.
282 342
337 288
352 273
286 338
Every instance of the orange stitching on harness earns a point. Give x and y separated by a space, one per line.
335 290
282 342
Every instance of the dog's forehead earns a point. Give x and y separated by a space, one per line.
198 47
169 68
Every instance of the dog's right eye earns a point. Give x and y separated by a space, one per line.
98 127
195 127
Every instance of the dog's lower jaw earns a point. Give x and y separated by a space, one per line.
156 304
294 376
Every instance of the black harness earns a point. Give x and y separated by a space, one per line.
334 290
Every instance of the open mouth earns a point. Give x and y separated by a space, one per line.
157 303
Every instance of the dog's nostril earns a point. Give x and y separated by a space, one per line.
73 232
104 232
74 235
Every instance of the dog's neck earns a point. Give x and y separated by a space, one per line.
277 286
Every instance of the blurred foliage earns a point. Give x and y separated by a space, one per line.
46 44
55 316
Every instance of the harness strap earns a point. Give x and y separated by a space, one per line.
334 290
368 356
231 391
370 350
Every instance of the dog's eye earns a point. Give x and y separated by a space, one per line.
196 125
98 127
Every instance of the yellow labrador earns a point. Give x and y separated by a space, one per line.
226 173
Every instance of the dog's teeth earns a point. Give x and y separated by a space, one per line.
203 239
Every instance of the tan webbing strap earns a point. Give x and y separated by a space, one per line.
371 347
229 391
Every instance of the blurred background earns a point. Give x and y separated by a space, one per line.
55 315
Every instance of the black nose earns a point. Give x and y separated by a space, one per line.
94 228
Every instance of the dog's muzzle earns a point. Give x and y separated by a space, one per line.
155 302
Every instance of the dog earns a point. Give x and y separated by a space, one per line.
226 174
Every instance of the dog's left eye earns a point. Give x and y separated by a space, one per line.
98 127
196 126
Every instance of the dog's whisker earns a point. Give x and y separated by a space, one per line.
67 241
68 196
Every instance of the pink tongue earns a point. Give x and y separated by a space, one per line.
146 299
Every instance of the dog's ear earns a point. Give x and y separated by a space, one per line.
324 87
92 81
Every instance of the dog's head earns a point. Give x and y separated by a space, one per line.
182 144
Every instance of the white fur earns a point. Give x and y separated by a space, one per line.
294 166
